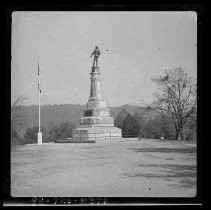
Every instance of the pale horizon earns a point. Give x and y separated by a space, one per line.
135 46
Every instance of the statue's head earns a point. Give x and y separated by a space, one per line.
96 47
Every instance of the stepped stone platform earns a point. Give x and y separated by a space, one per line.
96 133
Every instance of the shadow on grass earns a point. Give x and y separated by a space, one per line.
94 147
187 183
174 167
165 150
185 173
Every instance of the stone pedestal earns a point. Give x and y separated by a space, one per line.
39 138
96 123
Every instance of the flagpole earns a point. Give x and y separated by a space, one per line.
39 135
39 103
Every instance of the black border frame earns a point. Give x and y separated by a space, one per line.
8 9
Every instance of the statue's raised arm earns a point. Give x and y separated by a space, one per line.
96 54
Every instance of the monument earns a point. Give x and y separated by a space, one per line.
97 122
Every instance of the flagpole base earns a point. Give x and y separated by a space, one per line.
39 138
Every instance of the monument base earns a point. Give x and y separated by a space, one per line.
96 133
72 141
39 138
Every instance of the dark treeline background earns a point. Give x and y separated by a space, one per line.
58 121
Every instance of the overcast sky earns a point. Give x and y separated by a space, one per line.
135 46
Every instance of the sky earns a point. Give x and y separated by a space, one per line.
135 46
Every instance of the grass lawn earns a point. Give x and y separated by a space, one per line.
123 168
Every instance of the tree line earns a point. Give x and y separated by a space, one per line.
142 125
50 133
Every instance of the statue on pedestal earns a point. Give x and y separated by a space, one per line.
96 123
96 54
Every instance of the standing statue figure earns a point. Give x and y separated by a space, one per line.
96 54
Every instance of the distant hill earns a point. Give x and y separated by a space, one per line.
54 114
70 112
130 108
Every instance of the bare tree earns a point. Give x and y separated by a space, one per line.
162 122
177 97
17 115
